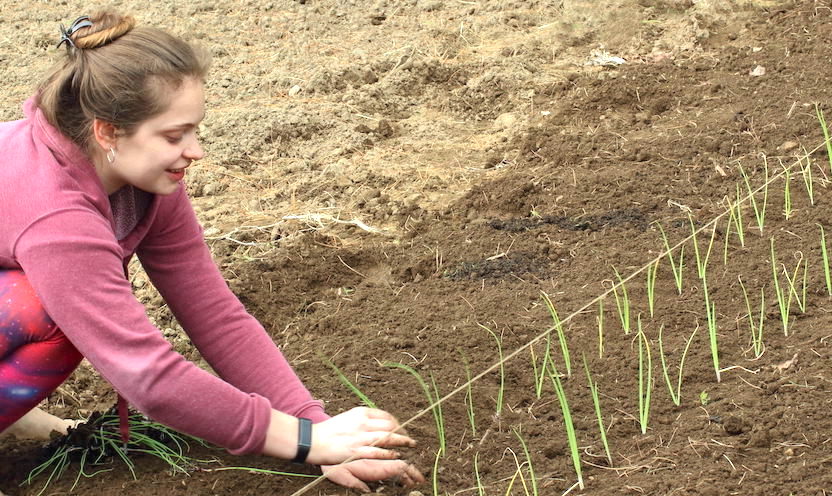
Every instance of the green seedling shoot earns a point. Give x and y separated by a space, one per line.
759 209
738 222
806 172
674 267
564 345
567 423
701 262
710 313
784 301
435 475
480 488
528 462
675 392
756 328
433 400
596 402
652 269
346 382
787 196
825 255
469 396
800 297
600 319
622 301
645 378
825 130
540 372
501 389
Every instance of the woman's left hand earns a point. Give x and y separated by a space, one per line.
353 474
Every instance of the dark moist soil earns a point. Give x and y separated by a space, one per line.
498 165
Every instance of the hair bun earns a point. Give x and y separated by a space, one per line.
106 27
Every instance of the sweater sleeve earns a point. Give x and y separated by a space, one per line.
75 265
178 261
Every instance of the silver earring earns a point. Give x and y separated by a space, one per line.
111 156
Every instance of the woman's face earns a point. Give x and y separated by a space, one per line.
155 156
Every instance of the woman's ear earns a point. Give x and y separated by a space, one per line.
104 133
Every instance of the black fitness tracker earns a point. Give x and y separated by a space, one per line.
304 440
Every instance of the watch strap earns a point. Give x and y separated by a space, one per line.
304 440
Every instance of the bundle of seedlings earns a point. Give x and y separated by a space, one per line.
96 446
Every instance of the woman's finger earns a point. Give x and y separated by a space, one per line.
390 440
381 425
375 413
374 453
342 476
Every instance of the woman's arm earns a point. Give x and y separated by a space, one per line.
75 265
176 258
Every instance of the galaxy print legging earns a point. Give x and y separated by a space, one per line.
35 356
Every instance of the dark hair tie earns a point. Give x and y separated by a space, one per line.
81 22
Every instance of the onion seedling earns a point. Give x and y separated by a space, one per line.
825 130
756 329
346 382
792 281
787 196
540 374
469 396
701 263
727 243
710 313
564 345
738 222
98 441
784 302
567 422
677 269
596 402
645 378
528 461
480 488
622 301
675 394
433 400
825 255
502 370
600 319
435 476
806 172
652 269
759 210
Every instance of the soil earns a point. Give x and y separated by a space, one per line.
387 179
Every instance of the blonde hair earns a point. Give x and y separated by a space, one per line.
118 73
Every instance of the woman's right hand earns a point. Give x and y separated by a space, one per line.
355 434
358 433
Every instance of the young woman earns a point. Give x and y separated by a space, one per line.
91 176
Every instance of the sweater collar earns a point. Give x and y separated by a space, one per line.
68 154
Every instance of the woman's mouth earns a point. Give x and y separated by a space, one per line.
176 174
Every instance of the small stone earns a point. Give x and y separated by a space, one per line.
294 90
758 71
384 128
788 146
733 425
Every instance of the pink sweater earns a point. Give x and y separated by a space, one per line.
56 225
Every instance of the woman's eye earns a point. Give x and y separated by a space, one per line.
174 139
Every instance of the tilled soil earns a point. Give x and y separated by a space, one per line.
387 182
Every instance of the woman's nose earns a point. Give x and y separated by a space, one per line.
194 151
